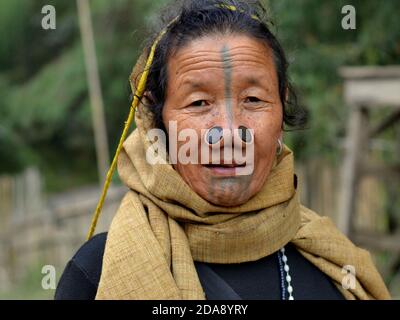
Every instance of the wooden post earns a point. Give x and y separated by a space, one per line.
349 173
365 88
96 101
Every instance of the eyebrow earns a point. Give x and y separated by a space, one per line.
256 82
252 81
194 84
198 84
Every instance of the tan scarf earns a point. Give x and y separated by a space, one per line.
162 226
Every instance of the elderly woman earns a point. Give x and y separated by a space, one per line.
209 229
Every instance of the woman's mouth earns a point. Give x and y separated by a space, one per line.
224 169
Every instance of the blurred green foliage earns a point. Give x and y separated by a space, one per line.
317 46
44 107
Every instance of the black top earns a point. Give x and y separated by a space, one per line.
250 280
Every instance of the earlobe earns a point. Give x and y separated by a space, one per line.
279 148
147 95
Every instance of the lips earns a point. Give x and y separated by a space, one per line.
222 165
231 164
224 170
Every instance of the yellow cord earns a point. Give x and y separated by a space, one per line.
128 122
136 99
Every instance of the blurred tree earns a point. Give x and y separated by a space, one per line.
44 111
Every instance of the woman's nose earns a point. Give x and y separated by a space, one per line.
216 135
227 127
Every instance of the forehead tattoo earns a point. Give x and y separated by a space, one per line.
227 67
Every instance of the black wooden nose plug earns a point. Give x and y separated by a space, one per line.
214 135
245 134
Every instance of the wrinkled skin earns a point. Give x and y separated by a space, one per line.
225 81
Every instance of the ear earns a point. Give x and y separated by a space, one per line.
147 95
280 136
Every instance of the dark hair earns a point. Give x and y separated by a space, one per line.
197 18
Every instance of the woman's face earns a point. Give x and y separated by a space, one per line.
225 81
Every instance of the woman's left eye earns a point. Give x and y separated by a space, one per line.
252 100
